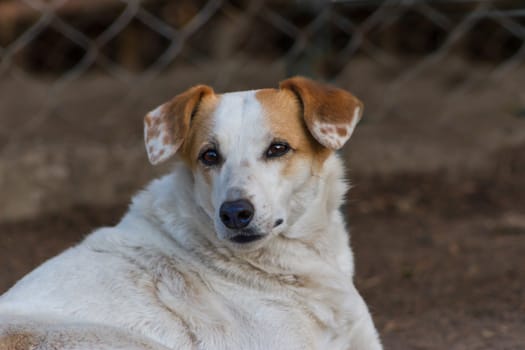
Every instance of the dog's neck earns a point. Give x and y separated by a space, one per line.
316 228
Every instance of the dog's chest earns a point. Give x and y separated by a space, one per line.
224 315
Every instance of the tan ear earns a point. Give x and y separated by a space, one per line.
166 127
331 114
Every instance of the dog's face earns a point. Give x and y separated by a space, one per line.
252 152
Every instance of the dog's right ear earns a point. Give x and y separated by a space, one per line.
166 127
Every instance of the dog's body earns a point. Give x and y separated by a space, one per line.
241 247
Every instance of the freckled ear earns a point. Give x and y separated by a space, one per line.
330 114
166 127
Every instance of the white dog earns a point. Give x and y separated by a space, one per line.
242 246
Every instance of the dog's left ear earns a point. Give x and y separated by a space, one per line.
330 114
166 127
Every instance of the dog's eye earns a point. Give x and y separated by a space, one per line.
277 149
210 157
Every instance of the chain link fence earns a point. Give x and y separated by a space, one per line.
134 41
77 75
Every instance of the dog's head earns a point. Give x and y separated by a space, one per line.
252 152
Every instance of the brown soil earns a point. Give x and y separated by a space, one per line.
439 261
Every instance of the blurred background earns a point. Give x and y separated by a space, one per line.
437 208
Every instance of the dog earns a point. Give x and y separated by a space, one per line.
241 246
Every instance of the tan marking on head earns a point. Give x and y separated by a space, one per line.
287 123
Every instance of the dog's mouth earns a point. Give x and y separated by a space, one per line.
243 239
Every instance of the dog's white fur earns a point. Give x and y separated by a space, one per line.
167 276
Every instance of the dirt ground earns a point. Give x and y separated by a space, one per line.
439 261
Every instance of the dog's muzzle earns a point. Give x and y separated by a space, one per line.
237 215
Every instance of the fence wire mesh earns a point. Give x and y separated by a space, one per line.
133 41
87 70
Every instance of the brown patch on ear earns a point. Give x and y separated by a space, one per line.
147 120
182 109
201 131
166 128
341 131
330 113
287 123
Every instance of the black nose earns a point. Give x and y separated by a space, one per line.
236 214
